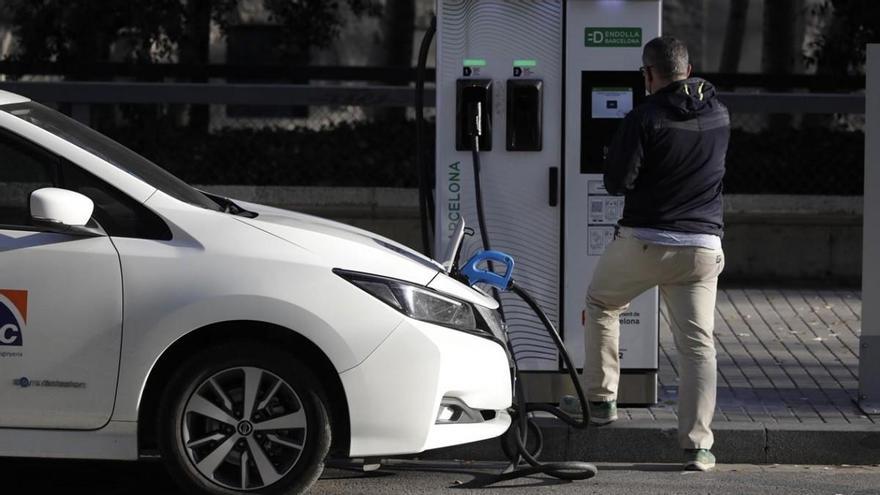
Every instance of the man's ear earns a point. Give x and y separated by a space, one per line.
690 69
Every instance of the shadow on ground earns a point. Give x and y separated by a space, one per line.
35 476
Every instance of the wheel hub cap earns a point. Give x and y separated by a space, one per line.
244 428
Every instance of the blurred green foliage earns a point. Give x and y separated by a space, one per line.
796 161
142 31
846 27
348 154
381 154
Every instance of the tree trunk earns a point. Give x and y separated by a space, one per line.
830 61
778 50
398 23
779 31
194 52
731 51
684 20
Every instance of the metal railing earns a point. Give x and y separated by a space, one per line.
381 96
767 154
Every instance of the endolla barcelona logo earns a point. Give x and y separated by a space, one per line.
13 316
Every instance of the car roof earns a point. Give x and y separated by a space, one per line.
7 98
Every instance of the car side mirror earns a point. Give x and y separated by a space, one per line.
60 209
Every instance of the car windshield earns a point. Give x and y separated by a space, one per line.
110 151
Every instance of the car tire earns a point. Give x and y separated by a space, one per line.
244 418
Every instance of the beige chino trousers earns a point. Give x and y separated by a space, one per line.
688 280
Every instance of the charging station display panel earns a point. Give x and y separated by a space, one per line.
611 103
607 96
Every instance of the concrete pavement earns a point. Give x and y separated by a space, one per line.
50 476
787 390
612 479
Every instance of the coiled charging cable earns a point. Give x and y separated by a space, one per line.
522 416
517 453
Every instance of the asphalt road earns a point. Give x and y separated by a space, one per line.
25 477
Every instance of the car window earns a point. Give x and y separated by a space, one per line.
118 214
109 150
24 168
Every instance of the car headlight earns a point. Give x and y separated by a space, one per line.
491 319
427 305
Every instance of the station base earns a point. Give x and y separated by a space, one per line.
637 388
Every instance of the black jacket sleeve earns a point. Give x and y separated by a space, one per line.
625 155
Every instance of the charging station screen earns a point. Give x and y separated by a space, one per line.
611 103
606 98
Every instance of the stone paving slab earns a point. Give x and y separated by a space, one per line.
786 356
787 389
656 441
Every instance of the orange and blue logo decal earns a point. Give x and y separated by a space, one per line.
13 316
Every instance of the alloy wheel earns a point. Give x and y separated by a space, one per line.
244 428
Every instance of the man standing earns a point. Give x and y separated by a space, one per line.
667 158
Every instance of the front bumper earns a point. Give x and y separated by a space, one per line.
394 395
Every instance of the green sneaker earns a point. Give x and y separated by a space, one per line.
698 460
603 412
570 405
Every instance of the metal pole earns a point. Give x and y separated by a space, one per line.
869 348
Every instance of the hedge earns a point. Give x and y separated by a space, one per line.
808 161
350 154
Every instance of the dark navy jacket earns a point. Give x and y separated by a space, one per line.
667 158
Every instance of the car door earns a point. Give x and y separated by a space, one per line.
60 306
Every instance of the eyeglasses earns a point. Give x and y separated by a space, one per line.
644 68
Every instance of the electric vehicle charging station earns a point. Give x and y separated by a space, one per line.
550 80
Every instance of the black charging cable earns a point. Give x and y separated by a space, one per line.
522 416
477 131
426 200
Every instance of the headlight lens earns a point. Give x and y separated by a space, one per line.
493 322
416 302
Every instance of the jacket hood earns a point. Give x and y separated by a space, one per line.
689 97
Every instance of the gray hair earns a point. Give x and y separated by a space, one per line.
668 56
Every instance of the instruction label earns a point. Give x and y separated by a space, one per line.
632 319
598 238
603 212
596 187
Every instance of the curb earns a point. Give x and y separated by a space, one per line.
654 441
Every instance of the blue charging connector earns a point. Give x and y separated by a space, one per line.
475 274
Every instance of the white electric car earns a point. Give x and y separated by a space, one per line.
241 342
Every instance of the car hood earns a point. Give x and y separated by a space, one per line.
350 248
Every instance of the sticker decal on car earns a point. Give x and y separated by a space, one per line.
13 316
25 382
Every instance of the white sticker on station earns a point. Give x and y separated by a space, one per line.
597 210
598 238
596 187
604 210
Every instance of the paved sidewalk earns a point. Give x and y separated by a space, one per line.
787 390
784 356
